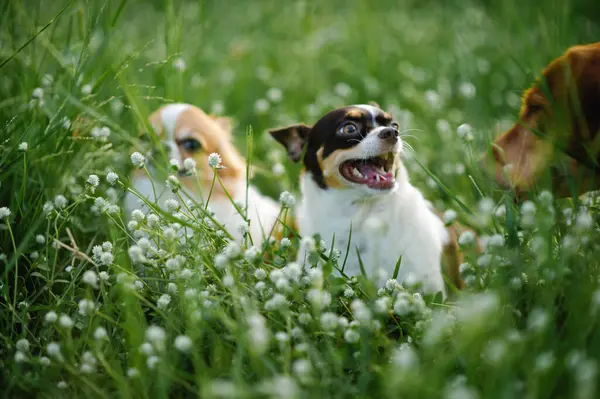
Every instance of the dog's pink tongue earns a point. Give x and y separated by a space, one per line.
375 177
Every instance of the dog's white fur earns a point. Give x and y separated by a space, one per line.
263 211
384 224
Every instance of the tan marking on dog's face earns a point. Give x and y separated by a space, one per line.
194 124
355 113
330 167
211 135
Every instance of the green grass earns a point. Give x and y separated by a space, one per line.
525 326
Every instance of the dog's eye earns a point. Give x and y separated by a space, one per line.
395 126
190 145
348 128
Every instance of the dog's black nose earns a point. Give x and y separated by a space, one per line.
389 134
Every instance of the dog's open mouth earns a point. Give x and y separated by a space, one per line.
376 172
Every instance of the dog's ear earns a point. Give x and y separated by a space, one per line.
374 104
224 122
293 138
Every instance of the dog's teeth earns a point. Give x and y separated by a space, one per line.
377 178
357 173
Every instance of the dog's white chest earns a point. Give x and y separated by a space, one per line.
380 231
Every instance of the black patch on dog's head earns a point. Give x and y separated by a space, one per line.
328 135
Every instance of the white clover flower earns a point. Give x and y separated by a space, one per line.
278 169
495 241
583 222
405 357
349 292
86 306
132 372
189 164
20 357
382 305
544 362
132 225
465 132
360 311
232 250
51 317
252 254
285 243
86 89
351 336
183 343
136 254
60 201
23 345
467 90
173 182
329 321
152 220
4 212
495 351
53 350
221 261
90 278
172 205
449 216
302 368
466 238
538 320
23 146
243 227
156 336
93 180
40 239
280 387
528 208
137 159
318 298
274 94
112 178
152 361
146 348
38 93
261 106
277 302
48 207
100 333
163 301
228 280
260 274
44 361
316 277
137 215
62 385
179 64
292 271
214 160
287 199
65 321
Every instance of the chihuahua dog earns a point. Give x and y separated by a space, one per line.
187 132
557 129
356 190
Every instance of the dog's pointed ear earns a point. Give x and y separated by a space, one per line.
374 104
293 138
224 122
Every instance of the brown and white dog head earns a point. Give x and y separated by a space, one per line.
185 131
560 114
351 148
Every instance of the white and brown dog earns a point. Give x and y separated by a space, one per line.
355 187
188 132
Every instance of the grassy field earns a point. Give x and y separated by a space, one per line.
76 320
